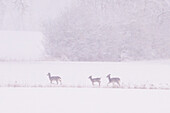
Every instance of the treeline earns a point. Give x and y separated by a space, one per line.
107 30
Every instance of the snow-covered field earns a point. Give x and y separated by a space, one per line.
84 99
77 73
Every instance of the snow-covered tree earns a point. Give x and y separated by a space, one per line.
107 30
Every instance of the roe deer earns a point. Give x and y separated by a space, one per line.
95 80
54 78
113 80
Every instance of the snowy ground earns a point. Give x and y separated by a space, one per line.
67 99
83 100
76 73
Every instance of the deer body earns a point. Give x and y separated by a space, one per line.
54 78
113 80
93 80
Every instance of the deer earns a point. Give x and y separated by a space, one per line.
113 80
93 80
54 78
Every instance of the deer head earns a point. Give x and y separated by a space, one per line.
108 76
48 74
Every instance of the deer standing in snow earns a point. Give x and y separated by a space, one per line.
54 78
113 80
93 80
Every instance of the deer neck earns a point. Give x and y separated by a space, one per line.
109 78
91 79
49 76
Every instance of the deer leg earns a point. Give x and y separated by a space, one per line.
57 82
118 84
93 83
108 83
113 84
99 83
60 82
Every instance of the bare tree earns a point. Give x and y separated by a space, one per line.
2 12
21 6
